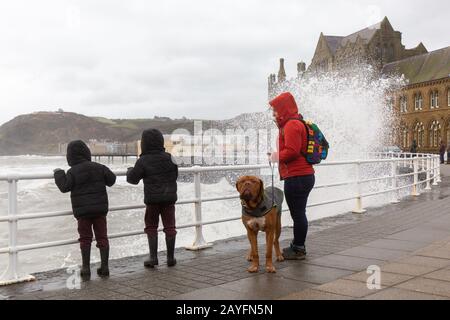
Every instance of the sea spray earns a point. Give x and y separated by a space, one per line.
351 108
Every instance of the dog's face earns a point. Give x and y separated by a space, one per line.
251 189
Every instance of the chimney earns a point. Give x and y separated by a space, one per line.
270 79
281 72
301 68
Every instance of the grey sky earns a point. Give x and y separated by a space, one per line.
200 59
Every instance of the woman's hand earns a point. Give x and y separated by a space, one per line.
273 157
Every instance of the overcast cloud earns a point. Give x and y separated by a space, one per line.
199 59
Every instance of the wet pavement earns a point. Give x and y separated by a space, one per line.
408 241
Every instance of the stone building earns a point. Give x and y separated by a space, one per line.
377 45
423 105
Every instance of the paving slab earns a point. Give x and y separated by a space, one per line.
312 273
394 244
443 275
401 294
436 251
373 253
407 269
425 261
442 223
387 279
213 293
312 294
355 289
266 287
429 286
420 234
345 262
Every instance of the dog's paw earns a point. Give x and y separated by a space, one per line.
280 258
270 269
253 269
248 258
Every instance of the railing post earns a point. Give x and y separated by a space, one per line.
420 162
359 207
11 274
394 182
438 164
199 241
429 168
434 166
415 191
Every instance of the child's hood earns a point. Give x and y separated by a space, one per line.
152 140
77 152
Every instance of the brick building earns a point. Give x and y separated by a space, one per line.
423 105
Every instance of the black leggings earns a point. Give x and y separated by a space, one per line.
296 191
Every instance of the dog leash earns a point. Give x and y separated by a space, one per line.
272 167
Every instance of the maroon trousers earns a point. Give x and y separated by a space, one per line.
167 213
85 226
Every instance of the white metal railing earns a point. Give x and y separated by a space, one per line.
420 163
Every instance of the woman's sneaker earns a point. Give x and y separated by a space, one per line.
294 252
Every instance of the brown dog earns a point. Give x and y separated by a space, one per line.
261 211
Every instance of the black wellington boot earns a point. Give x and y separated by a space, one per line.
153 248
170 243
103 271
85 271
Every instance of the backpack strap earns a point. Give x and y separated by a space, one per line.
306 128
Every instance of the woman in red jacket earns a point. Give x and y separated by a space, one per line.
297 173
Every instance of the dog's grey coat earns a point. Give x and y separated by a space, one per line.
272 198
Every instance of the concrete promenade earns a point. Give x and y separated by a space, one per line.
409 241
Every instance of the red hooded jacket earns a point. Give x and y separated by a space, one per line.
291 139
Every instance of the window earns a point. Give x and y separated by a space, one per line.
385 53
419 134
418 101
403 104
435 134
390 104
448 132
389 53
434 99
404 137
448 99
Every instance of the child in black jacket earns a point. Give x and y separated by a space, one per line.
87 181
160 173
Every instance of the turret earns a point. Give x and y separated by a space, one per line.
301 68
281 72
271 84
